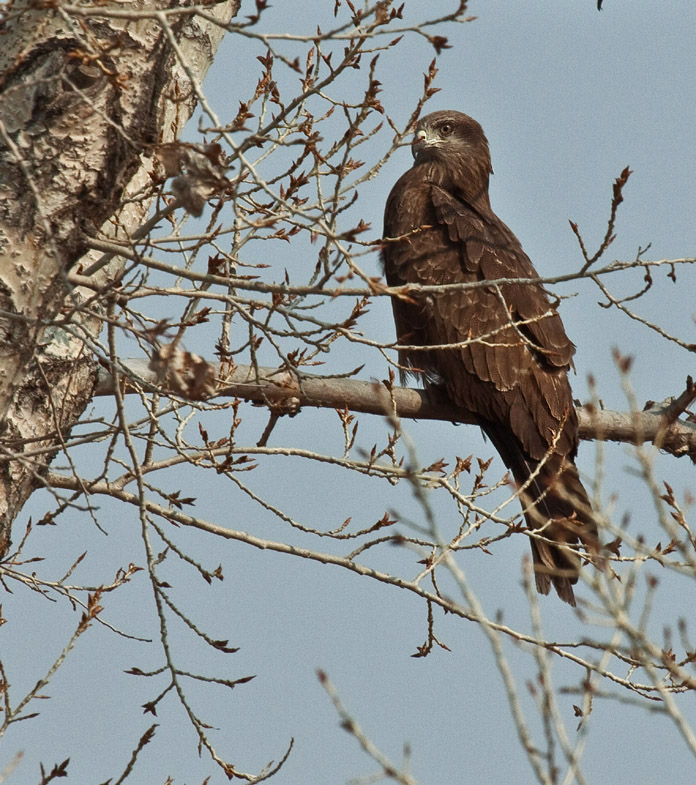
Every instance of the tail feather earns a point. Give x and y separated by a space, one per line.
556 505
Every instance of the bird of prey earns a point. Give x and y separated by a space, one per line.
496 347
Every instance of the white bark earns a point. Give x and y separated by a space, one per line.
86 92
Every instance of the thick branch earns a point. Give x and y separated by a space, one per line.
284 391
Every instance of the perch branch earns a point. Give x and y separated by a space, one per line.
273 386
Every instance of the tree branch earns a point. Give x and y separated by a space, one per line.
287 392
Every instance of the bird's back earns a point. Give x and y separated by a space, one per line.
496 346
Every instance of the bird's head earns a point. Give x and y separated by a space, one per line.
450 137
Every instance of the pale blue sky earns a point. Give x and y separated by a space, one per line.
568 97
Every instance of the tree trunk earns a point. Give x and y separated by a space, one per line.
86 93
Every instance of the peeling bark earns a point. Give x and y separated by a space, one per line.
84 97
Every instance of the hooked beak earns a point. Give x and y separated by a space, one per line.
420 142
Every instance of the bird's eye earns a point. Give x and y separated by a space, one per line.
446 129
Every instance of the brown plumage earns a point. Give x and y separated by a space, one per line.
512 372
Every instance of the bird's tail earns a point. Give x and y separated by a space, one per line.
556 506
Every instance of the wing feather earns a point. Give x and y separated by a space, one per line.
518 354
510 354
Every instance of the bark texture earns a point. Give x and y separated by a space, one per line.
85 96
287 394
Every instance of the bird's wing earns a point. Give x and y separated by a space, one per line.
490 247
514 350
508 353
